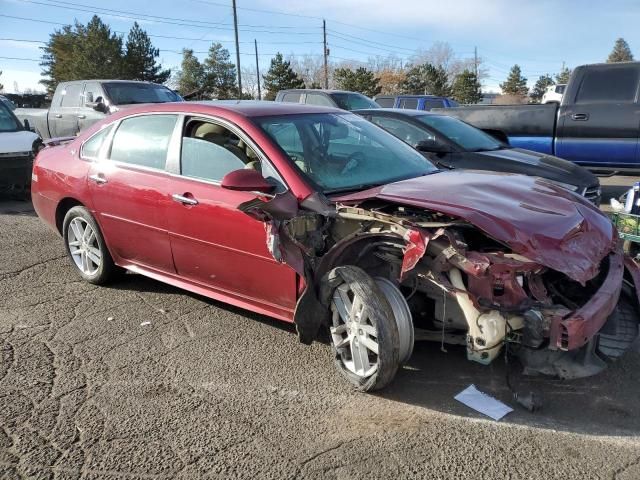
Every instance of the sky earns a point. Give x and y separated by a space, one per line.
539 35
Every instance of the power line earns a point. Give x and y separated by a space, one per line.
350 37
20 58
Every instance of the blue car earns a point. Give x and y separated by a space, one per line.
415 102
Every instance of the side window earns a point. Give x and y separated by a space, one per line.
560 89
92 93
143 140
403 130
429 104
292 97
210 151
71 95
318 99
91 148
386 102
410 103
613 85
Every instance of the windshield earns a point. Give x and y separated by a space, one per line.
122 93
353 101
8 121
469 138
342 152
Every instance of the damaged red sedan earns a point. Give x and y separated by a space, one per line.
315 216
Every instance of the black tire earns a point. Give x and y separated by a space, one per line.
380 315
107 271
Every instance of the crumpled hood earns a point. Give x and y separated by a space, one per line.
537 219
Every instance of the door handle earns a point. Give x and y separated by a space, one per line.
184 200
580 117
82 117
98 178
57 115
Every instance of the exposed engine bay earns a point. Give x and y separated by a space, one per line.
460 285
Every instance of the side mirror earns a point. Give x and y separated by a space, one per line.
27 126
98 105
246 180
433 145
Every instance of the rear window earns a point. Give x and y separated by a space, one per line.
353 101
409 103
318 99
611 85
386 102
291 97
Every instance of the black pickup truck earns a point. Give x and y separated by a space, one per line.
79 104
596 125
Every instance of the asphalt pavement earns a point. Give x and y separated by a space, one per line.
140 380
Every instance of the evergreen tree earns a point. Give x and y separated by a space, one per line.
191 77
515 84
426 79
280 77
466 88
1 85
219 74
563 76
621 52
81 52
359 80
140 58
540 87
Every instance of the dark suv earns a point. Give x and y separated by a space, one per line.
327 98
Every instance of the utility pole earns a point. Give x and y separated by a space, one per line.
235 25
326 53
255 42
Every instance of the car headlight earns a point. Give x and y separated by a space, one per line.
566 186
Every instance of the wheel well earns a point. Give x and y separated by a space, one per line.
63 207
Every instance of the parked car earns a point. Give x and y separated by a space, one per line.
554 93
18 146
596 125
327 98
7 102
79 104
318 217
450 143
415 102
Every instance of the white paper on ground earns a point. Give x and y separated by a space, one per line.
483 403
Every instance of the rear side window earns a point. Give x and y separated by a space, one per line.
91 148
291 97
403 130
429 104
386 102
560 89
143 140
71 95
410 103
611 85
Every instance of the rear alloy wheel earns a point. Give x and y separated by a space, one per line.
86 247
364 333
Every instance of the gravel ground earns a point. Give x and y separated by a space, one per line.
144 381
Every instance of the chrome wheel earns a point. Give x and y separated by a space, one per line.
83 246
353 334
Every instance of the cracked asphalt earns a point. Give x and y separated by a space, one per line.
144 381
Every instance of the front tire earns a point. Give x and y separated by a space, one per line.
364 334
86 247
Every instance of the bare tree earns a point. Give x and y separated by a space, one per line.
249 82
310 68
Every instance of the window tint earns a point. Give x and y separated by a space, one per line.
403 130
616 85
470 138
386 102
8 121
411 103
143 140
432 103
71 95
91 148
291 97
318 99
353 101
560 89
125 93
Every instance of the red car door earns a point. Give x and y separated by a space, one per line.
129 190
213 243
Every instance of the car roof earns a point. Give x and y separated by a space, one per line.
245 108
316 90
407 112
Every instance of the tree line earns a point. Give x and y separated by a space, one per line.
93 51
